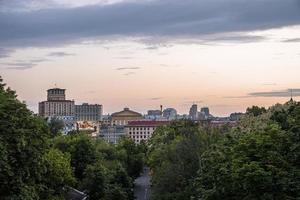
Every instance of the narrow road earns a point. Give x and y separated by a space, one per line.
142 186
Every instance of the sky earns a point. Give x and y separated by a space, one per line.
224 54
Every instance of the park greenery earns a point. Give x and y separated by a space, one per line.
258 158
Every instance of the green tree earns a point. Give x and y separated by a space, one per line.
174 158
108 180
132 156
120 185
256 111
95 181
100 168
56 126
58 173
82 151
24 145
257 160
23 141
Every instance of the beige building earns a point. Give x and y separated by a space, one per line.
142 130
56 94
123 117
56 104
88 112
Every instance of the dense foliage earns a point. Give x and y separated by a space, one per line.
37 162
174 155
103 170
29 168
257 159
56 126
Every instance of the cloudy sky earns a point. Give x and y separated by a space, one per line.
225 54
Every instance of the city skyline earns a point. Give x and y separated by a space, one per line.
193 106
224 55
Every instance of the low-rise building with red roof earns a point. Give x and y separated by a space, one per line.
143 130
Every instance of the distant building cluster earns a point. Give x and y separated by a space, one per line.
196 115
85 116
125 123
113 128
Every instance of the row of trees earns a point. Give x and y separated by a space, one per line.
257 159
37 163
103 170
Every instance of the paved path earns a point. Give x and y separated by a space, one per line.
142 186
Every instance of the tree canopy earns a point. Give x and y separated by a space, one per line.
26 158
257 159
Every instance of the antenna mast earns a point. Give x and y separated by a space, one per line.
291 95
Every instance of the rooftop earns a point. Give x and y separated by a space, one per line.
148 123
57 101
126 112
56 89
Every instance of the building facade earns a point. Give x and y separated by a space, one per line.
205 110
123 117
69 123
56 104
154 114
56 94
105 120
193 114
112 134
88 112
170 114
140 131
